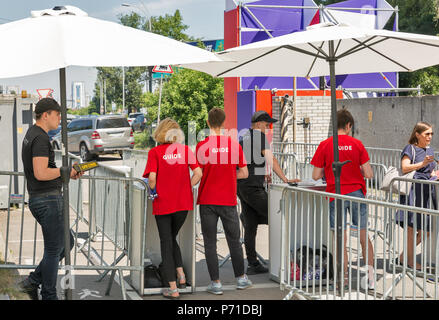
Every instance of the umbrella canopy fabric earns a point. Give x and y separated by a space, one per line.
49 42
306 53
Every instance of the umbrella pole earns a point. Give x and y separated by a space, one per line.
66 173
336 168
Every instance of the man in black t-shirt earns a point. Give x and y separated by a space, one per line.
251 191
45 197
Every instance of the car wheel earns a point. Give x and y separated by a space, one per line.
84 153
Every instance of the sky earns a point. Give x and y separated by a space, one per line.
204 18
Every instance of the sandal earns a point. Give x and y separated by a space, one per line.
167 293
181 285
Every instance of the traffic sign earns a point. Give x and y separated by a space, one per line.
45 93
163 69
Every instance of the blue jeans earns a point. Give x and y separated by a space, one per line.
48 211
355 217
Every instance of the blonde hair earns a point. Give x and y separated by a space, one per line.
168 131
419 128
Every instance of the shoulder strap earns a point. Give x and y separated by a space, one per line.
413 154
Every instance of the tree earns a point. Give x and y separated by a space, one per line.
169 25
419 17
415 17
187 96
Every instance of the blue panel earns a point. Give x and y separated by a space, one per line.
246 107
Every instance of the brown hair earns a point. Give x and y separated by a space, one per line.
216 117
343 118
419 128
168 131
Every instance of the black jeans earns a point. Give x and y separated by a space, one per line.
209 215
169 225
48 211
254 204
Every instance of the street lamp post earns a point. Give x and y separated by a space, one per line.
144 10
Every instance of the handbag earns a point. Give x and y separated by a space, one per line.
403 187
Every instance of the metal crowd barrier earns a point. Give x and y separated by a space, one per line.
305 151
102 233
135 159
309 269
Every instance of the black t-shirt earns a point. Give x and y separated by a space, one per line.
253 142
36 143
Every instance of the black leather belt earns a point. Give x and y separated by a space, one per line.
46 194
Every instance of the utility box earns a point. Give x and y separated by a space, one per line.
16 116
4 197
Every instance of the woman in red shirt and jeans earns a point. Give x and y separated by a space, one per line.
167 171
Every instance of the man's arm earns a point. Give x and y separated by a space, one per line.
242 173
273 163
317 173
196 177
366 170
42 172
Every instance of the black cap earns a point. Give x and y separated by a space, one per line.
262 116
47 104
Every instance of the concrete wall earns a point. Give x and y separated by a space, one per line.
388 122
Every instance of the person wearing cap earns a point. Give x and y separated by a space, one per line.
45 198
251 191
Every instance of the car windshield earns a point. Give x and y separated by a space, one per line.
112 123
135 115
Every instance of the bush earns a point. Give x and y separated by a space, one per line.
143 140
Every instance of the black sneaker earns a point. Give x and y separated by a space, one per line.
256 269
31 289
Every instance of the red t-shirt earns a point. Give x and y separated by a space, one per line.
349 148
219 156
171 162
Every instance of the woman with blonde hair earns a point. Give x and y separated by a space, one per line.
167 170
417 156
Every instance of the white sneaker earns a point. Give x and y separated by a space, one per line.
370 283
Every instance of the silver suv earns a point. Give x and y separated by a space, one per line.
91 136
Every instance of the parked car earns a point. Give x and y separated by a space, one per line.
53 133
137 121
91 136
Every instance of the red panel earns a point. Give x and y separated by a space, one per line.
264 101
231 85
231 30
316 18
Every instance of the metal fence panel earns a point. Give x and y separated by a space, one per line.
306 222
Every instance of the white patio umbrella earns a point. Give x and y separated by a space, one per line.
328 49
48 42
67 36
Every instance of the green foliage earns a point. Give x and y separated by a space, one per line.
187 96
91 109
143 140
169 25
419 17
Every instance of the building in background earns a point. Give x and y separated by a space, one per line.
78 95
82 80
